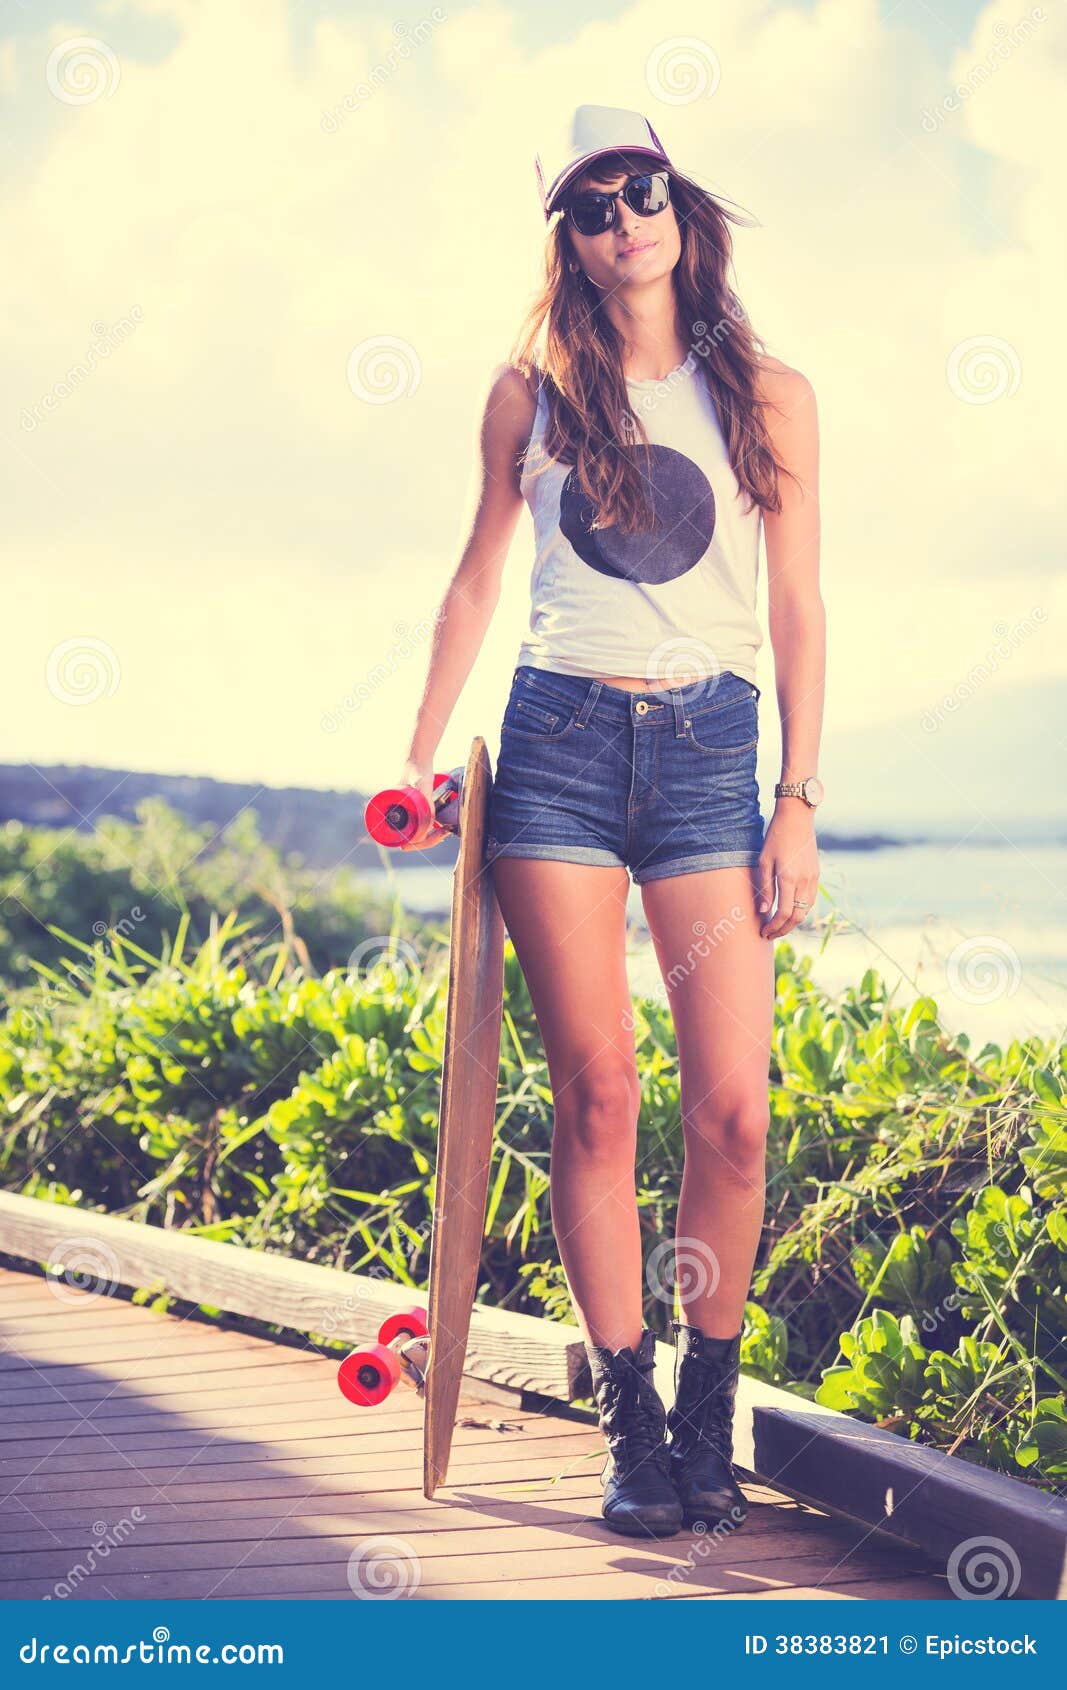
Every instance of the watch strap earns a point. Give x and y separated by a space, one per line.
798 789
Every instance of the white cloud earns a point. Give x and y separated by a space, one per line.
214 489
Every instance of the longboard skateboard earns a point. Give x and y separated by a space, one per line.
427 1346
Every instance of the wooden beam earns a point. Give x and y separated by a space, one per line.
514 1351
894 1487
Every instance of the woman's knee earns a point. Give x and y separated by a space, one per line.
733 1134
597 1110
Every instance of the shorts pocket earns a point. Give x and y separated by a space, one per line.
531 720
728 728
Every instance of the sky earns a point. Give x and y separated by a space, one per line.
229 221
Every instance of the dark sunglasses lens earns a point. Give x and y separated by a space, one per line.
591 214
646 194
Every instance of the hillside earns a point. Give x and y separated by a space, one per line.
324 827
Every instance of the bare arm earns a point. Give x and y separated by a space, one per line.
797 625
472 594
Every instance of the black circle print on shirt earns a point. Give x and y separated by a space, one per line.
683 507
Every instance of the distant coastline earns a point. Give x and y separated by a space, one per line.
325 827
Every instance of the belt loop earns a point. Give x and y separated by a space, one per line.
679 712
595 690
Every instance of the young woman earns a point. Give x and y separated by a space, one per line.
650 436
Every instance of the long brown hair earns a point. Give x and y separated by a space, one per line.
571 341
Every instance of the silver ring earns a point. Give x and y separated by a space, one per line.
799 904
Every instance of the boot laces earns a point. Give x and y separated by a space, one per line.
706 1415
633 1420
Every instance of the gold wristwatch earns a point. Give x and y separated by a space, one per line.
811 790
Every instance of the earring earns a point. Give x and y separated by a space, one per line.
573 267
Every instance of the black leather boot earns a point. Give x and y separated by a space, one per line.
639 1498
701 1426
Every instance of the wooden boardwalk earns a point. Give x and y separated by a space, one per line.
148 1456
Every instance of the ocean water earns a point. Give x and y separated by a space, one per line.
980 929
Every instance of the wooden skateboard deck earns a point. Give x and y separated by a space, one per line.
474 1008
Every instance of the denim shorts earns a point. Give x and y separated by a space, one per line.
660 782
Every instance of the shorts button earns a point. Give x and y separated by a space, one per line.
641 707
688 723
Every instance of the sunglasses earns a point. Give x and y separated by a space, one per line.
593 213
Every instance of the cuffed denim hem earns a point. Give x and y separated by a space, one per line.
690 865
554 853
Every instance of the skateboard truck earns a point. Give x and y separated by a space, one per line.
395 816
402 1353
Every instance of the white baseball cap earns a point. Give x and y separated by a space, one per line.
591 131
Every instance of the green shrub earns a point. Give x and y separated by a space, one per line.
139 879
914 1260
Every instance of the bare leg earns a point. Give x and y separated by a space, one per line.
567 922
719 975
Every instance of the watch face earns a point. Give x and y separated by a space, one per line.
814 791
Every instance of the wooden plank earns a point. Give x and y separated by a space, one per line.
576 1496
316 1402
513 1350
468 1114
133 1347
582 1549
863 1590
405 1508
64 1377
294 1381
42 1475
485 1527
289 1442
332 1538
502 1575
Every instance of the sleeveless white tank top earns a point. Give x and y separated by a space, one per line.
678 598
